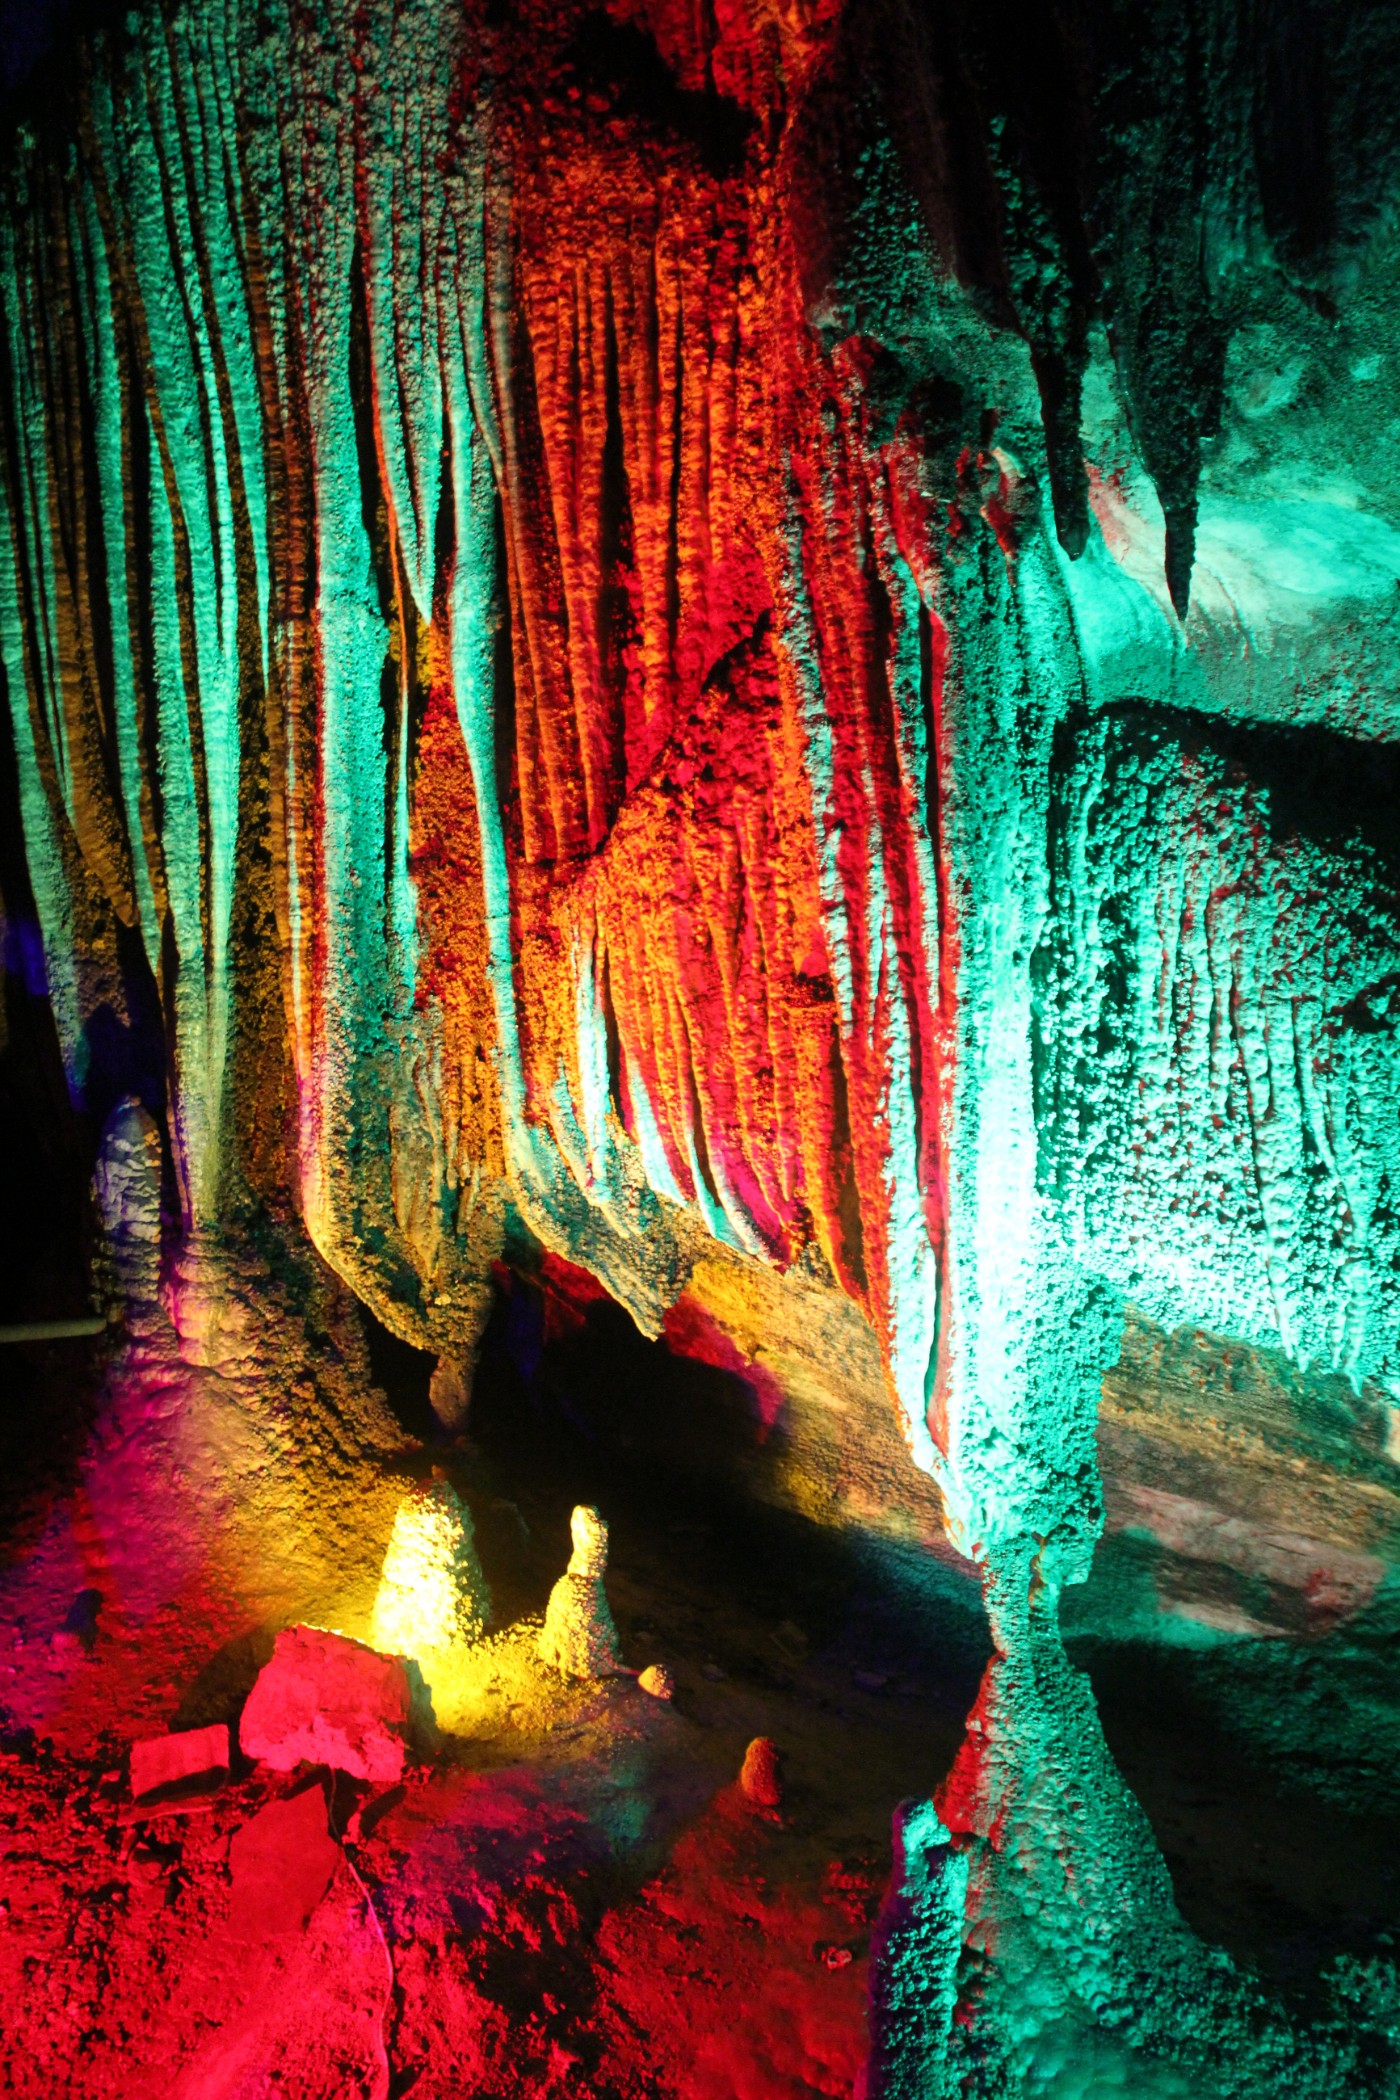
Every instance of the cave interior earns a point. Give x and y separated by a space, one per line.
700 1050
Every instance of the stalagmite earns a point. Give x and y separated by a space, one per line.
720 656
760 1777
578 1637
432 1595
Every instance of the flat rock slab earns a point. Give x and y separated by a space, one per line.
298 2015
280 1865
166 1767
327 1700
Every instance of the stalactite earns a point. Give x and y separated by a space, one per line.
592 529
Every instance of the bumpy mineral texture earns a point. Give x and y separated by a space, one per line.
325 1700
567 586
676 646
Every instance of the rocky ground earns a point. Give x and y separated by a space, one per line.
576 1897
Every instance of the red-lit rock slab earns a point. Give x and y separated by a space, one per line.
326 1700
280 1864
195 1760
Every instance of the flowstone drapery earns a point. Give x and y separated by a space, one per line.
633 633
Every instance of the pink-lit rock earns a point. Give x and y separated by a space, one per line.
281 1863
327 1700
166 1761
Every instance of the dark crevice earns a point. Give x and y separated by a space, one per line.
503 695
1059 380
373 510
843 1162
904 959
618 65
396 678
402 1374
697 1124
137 463
96 611
616 1090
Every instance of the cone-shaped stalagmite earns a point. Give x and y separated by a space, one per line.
432 1594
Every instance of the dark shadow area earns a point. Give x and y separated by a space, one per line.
45 1221
48 1403
620 70
47 1389
676 1453
218 1692
859 1662
736 1593
1260 1864
402 1373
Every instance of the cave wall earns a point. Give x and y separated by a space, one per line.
747 635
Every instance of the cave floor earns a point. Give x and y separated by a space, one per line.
574 1898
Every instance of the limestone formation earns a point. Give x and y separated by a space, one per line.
578 1636
432 1595
760 1777
127 1186
756 641
907 553
450 1392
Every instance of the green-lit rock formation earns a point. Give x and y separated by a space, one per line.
748 656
